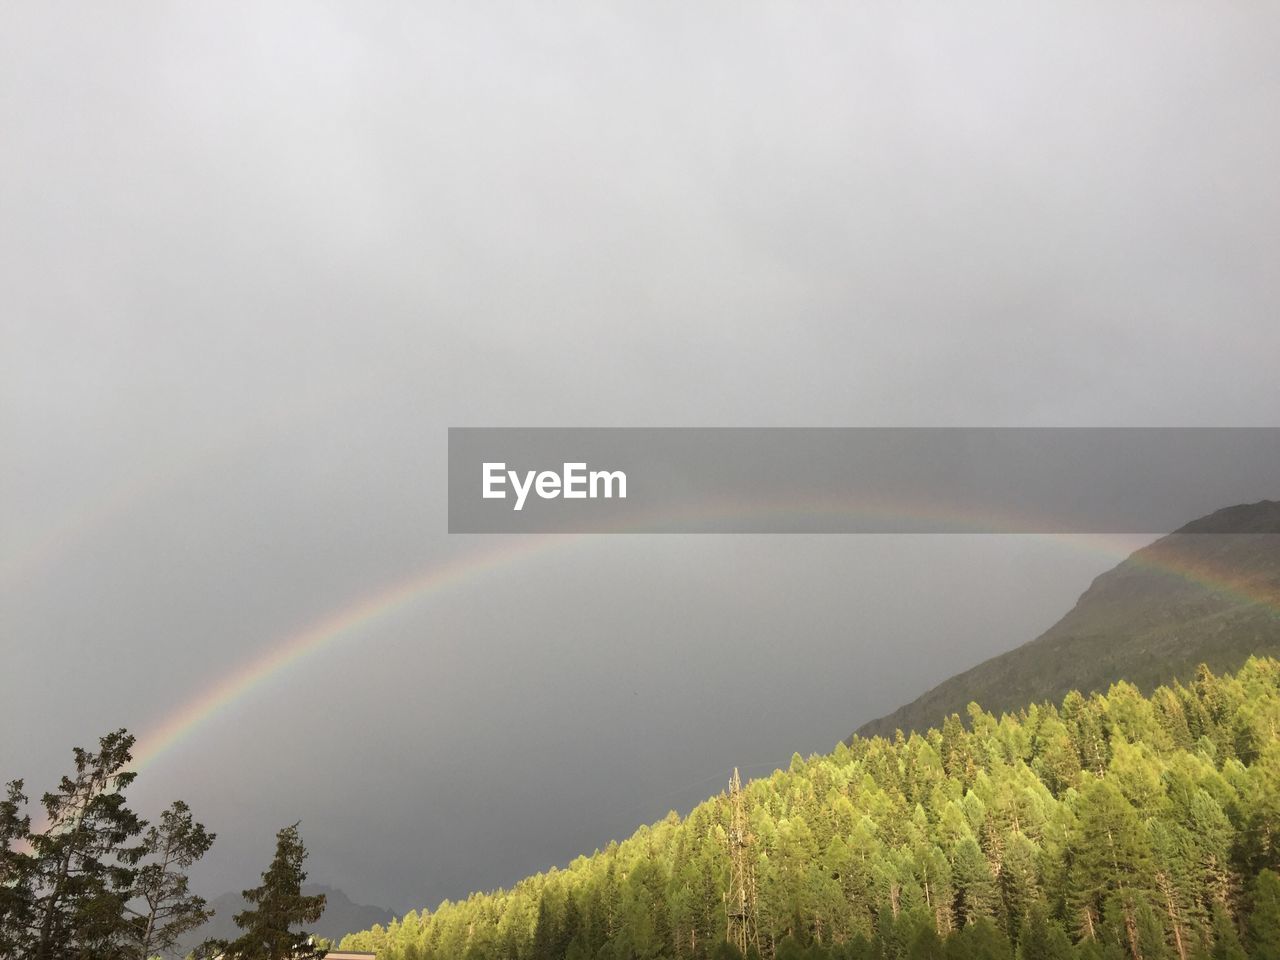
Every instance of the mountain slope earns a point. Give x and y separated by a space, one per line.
957 844
1191 597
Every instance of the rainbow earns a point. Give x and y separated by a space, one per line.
367 612
344 623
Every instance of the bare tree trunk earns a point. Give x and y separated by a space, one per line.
1087 927
1174 920
1131 931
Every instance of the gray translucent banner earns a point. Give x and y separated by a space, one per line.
856 480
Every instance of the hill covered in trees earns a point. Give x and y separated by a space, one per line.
1207 593
1110 826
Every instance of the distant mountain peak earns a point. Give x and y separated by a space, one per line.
1260 517
341 916
1208 592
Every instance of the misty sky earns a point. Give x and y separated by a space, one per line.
255 259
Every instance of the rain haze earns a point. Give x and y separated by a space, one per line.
256 259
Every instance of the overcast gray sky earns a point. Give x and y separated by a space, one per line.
255 259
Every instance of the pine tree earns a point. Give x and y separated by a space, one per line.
1264 918
544 933
1226 940
891 933
1112 863
279 905
1042 938
982 940
957 760
82 870
725 950
168 909
1265 815
15 871
646 930
925 944
1019 883
555 929
1152 940
1057 759
977 893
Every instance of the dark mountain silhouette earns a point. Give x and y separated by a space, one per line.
341 916
1207 593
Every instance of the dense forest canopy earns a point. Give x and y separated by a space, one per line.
1109 826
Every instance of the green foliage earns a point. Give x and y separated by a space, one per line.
724 950
1042 937
1226 940
279 905
17 900
1264 918
1118 827
82 886
1111 864
166 907
980 940
81 866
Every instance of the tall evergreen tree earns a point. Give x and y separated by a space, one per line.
279 905
1264 917
1042 937
925 944
977 894
15 871
1112 864
1226 939
82 868
1019 879
167 908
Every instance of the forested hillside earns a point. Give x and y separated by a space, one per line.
1207 593
1112 826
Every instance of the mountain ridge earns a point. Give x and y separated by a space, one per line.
341 916
1207 593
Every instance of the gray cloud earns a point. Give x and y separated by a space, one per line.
255 260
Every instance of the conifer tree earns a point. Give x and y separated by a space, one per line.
1152 941
1265 825
789 948
15 871
1042 938
980 940
1226 940
167 909
1264 918
925 944
977 893
1112 863
82 869
279 905
1019 882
